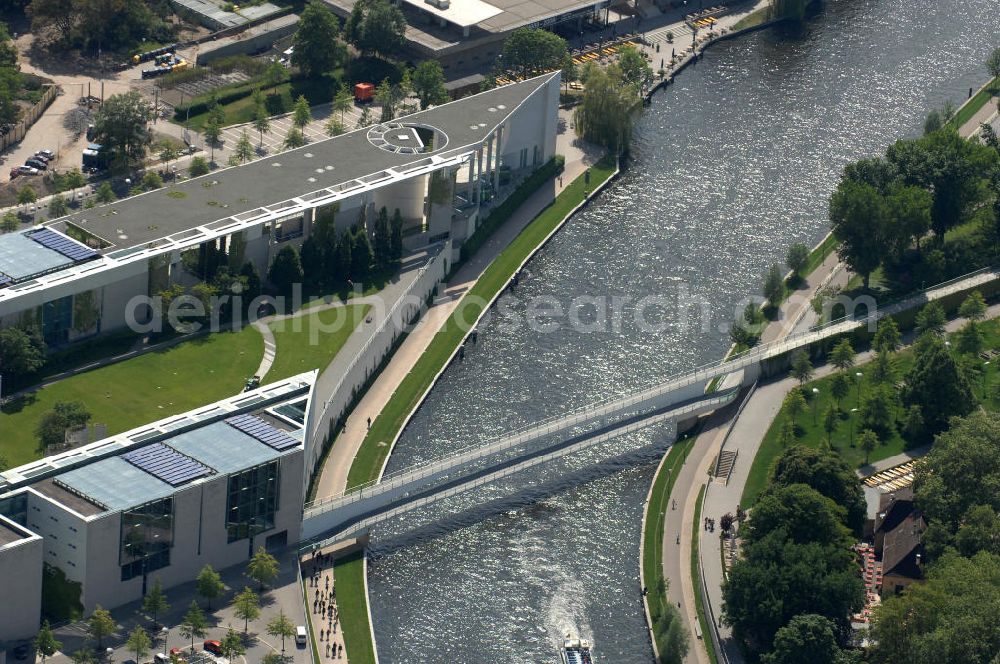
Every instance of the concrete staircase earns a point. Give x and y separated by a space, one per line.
724 466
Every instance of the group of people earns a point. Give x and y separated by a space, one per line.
710 525
324 604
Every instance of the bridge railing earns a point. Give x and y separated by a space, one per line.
711 402
595 410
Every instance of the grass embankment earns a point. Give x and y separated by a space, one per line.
368 463
976 102
753 20
656 509
312 340
140 390
699 603
843 441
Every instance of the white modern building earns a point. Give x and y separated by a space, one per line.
207 487
87 273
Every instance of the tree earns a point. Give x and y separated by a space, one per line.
882 370
366 115
787 436
609 105
973 307
272 658
936 384
343 101
138 643
334 126
909 217
858 217
121 127
83 656
993 63
286 270
375 26
802 369
209 584
105 194
262 123
825 472
831 419
26 195
794 403
867 441
797 258
276 74
634 67
45 643
212 133
961 470
10 222
887 337
950 617
51 429
244 148
317 44
22 351
262 568
774 286
301 115
281 626
842 356
151 180
100 624
969 340
980 531
930 318
232 645
806 638
74 179
385 96
840 385
396 236
362 255
428 84
246 607
57 206
194 625
155 602
801 514
199 166
531 51
294 138
382 245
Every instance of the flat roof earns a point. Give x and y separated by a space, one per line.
73 501
10 534
22 257
463 13
224 448
270 181
115 483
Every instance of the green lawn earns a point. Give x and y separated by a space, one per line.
706 635
658 506
812 434
972 106
141 390
753 20
312 340
368 462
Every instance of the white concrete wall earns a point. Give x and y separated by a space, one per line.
533 126
64 534
407 195
21 581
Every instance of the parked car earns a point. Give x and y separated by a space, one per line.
47 153
213 647
300 635
27 170
36 163
41 157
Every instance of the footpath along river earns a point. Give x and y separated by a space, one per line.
732 164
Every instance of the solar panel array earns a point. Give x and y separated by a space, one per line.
167 464
262 431
65 246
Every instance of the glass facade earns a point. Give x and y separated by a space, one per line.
252 501
146 537
57 320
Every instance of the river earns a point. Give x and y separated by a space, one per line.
732 164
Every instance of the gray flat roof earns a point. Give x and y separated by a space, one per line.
223 447
141 220
9 534
115 483
21 257
77 503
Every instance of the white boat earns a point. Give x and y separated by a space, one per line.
575 650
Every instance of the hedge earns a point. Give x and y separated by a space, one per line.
503 212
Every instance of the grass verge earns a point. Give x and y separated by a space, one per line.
652 559
368 462
699 602
753 20
976 102
312 340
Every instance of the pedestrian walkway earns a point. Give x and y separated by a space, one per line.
321 597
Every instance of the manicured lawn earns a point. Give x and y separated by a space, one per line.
706 635
659 497
349 574
972 106
370 457
311 341
812 434
140 390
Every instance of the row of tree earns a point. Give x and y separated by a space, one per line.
11 81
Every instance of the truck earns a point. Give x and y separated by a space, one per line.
95 157
364 92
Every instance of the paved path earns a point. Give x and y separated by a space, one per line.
333 480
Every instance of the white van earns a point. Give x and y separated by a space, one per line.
300 635
160 658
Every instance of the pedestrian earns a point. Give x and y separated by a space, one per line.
327 583
328 650
369 424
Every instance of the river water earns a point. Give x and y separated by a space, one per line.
732 164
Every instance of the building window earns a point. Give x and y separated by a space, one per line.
57 320
147 533
54 519
252 501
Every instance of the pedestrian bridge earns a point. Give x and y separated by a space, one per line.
679 399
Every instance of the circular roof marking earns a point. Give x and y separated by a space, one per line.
402 138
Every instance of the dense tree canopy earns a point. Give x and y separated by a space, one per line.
376 26
428 83
858 215
122 128
318 48
106 25
936 384
530 51
806 638
804 514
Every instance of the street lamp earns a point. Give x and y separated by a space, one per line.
853 410
164 632
986 369
815 391
858 375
